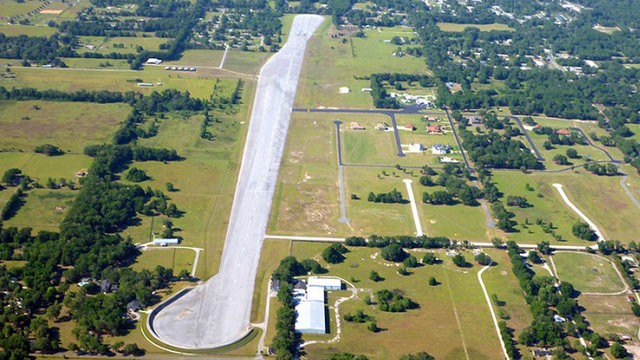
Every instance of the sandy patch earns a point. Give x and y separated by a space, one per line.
51 12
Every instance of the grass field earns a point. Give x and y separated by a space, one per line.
198 58
10 8
27 124
272 252
205 199
306 200
245 62
452 27
458 222
331 63
40 167
124 45
176 259
109 79
87 63
44 209
29 30
453 318
377 218
548 206
588 273
610 314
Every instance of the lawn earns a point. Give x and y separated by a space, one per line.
10 8
206 198
124 45
273 251
176 259
453 318
377 218
44 209
41 167
111 79
29 30
331 63
588 273
245 62
610 314
27 124
457 222
87 63
547 206
198 58
453 27
306 200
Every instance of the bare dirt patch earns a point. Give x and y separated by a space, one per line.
51 11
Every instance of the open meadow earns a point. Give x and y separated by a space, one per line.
334 61
452 321
70 126
610 314
454 27
123 45
587 272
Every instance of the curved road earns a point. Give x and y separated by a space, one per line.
217 313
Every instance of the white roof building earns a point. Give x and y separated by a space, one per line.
325 282
154 61
315 293
165 242
310 319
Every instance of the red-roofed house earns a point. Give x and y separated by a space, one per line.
565 132
434 129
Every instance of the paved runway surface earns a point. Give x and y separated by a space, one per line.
217 313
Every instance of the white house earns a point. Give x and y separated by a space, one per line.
154 61
165 242
440 149
310 319
325 282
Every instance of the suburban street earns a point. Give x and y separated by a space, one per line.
217 313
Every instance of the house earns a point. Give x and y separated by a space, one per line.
559 319
106 286
413 148
409 127
476 120
300 284
165 242
85 281
440 149
154 61
381 127
447 159
431 119
145 84
434 129
630 260
325 282
367 89
542 353
134 305
356 126
565 132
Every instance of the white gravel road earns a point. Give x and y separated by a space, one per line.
217 313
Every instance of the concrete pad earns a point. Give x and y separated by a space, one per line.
217 313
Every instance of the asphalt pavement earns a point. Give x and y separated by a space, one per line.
217 313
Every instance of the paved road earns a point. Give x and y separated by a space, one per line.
577 211
217 313
455 135
526 134
414 207
224 56
596 146
493 313
343 203
623 183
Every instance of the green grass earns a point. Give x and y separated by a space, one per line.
29 30
272 252
245 62
549 207
588 273
331 63
40 167
110 79
433 327
44 209
124 45
27 124
377 218
206 197
96 63
458 222
198 58
306 200
452 27
10 8
176 259
610 314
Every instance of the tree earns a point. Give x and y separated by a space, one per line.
572 153
333 254
53 311
136 175
459 260
483 259
429 258
583 231
534 257
433 281
618 351
560 160
417 356
132 349
373 327
11 176
169 186
374 276
544 247
410 261
393 252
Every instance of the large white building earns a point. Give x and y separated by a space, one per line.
325 282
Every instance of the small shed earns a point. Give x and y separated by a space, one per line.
325 282
356 126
